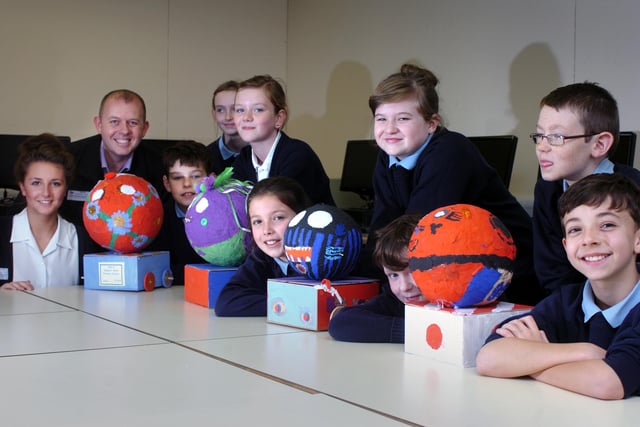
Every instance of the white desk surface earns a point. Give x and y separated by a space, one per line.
65 331
160 385
162 312
414 388
376 377
23 303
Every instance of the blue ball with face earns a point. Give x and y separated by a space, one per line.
323 242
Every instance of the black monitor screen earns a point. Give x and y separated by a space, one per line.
499 152
9 149
357 171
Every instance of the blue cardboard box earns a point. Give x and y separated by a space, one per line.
307 304
203 282
127 272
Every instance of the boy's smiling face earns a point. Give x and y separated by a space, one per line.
403 286
602 243
181 182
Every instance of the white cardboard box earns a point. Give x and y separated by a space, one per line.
453 335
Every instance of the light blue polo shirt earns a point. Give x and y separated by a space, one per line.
410 161
614 314
605 166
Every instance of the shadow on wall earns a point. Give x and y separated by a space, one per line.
346 117
534 73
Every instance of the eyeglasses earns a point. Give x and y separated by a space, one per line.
556 139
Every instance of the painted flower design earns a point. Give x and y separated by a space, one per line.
92 210
140 241
139 199
119 223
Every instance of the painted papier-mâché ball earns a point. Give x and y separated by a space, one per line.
216 221
123 213
461 256
323 242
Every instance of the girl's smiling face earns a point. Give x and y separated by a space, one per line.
269 219
399 128
255 116
44 187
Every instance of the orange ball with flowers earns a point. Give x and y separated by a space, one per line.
461 256
123 213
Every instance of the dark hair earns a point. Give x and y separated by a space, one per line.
45 147
286 189
393 240
127 96
231 85
410 81
594 190
273 89
596 108
190 153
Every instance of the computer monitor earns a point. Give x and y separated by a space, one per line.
625 150
357 170
500 152
9 149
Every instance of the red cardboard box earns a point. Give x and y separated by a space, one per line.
203 282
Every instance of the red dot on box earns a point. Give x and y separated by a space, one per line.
434 336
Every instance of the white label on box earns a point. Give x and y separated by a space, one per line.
111 273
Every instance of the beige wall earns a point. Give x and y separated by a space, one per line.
495 60
59 59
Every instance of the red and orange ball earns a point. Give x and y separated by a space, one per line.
123 213
461 256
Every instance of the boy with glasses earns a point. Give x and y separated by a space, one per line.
577 128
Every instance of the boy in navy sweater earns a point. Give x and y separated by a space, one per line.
185 164
577 128
382 318
585 337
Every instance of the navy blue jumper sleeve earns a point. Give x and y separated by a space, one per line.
380 319
561 317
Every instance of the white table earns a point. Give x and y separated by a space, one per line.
379 379
62 366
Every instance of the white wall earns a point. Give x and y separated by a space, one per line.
59 59
495 60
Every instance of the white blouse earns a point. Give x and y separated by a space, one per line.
57 265
262 170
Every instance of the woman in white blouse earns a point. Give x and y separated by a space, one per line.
43 249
